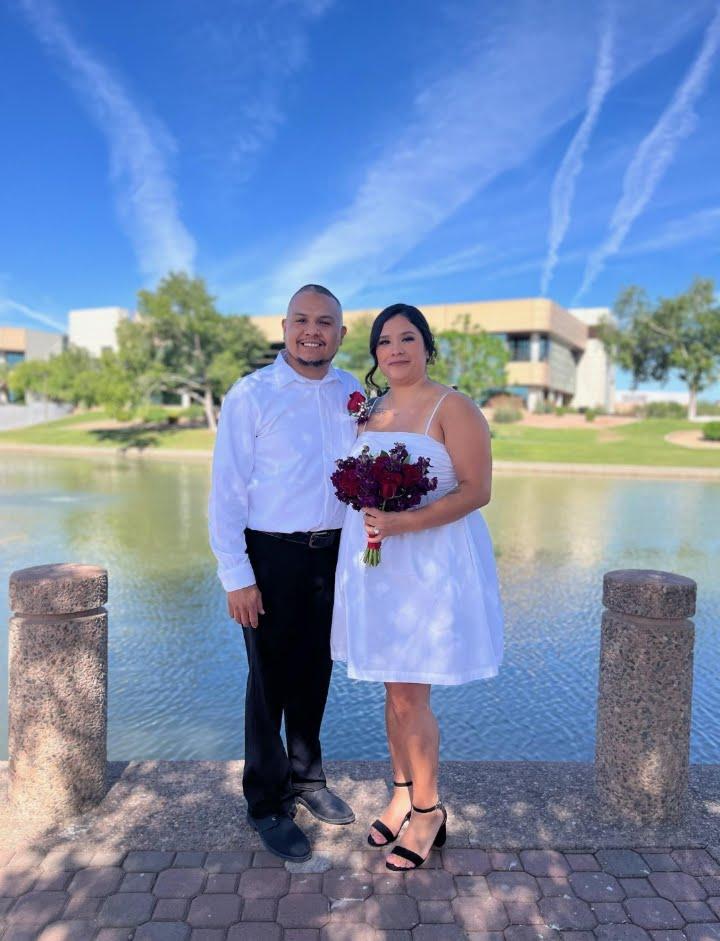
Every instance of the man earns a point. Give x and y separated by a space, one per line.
275 530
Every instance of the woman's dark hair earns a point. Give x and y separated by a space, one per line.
416 318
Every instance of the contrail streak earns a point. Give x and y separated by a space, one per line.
146 193
7 303
563 187
655 154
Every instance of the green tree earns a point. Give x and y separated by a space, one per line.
470 359
29 376
70 376
4 376
118 388
180 343
677 333
354 353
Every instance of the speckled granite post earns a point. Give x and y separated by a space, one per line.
57 689
645 693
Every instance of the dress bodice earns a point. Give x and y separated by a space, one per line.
418 445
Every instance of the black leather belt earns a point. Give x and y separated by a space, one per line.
323 539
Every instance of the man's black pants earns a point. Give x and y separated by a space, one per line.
289 669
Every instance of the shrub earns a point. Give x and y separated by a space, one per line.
505 415
665 410
708 408
711 431
192 412
153 415
590 414
563 410
504 400
544 408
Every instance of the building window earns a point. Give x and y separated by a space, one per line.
544 348
519 346
12 359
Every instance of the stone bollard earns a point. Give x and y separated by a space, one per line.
57 690
645 694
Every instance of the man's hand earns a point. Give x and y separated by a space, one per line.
245 605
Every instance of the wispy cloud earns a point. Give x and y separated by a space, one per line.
563 186
520 83
655 154
497 264
8 304
703 224
467 259
257 46
145 192
456 142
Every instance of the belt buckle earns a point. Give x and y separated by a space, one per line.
323 539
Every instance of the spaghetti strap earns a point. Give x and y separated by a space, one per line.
373 403
434 411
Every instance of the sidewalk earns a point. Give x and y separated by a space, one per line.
168 857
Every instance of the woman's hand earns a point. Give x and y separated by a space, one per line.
379 524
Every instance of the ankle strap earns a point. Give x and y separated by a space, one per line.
427 810
402 783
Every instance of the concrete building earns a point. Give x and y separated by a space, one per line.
20 343
595 377
95 328
554 356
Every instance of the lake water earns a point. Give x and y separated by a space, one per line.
177 664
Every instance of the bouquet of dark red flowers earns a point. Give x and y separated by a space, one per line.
386 481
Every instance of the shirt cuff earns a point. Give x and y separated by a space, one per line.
241 576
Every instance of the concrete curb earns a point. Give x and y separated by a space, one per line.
500 467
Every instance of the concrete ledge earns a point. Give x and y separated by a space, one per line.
502 805
78 450
607 470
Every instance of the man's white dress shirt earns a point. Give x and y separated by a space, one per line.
278 438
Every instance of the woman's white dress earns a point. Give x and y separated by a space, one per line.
431 611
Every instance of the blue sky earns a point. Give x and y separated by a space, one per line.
395 151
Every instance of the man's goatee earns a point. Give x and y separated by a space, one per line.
312 362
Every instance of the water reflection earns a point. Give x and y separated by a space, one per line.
177 667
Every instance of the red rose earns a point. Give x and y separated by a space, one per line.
389 486
380 467
355 402
411 474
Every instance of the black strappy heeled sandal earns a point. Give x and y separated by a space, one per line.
382 828
415 858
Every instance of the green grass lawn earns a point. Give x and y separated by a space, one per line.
65 431
641 442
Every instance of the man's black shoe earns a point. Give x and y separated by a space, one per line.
326 806
281 836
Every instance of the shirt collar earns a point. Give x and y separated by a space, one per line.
285 374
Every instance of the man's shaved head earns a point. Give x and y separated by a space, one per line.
313 330
315 289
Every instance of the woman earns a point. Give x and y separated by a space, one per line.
430 612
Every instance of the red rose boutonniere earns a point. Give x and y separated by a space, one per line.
359 407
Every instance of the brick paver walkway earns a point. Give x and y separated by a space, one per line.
609 895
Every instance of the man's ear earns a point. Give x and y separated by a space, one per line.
343 334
